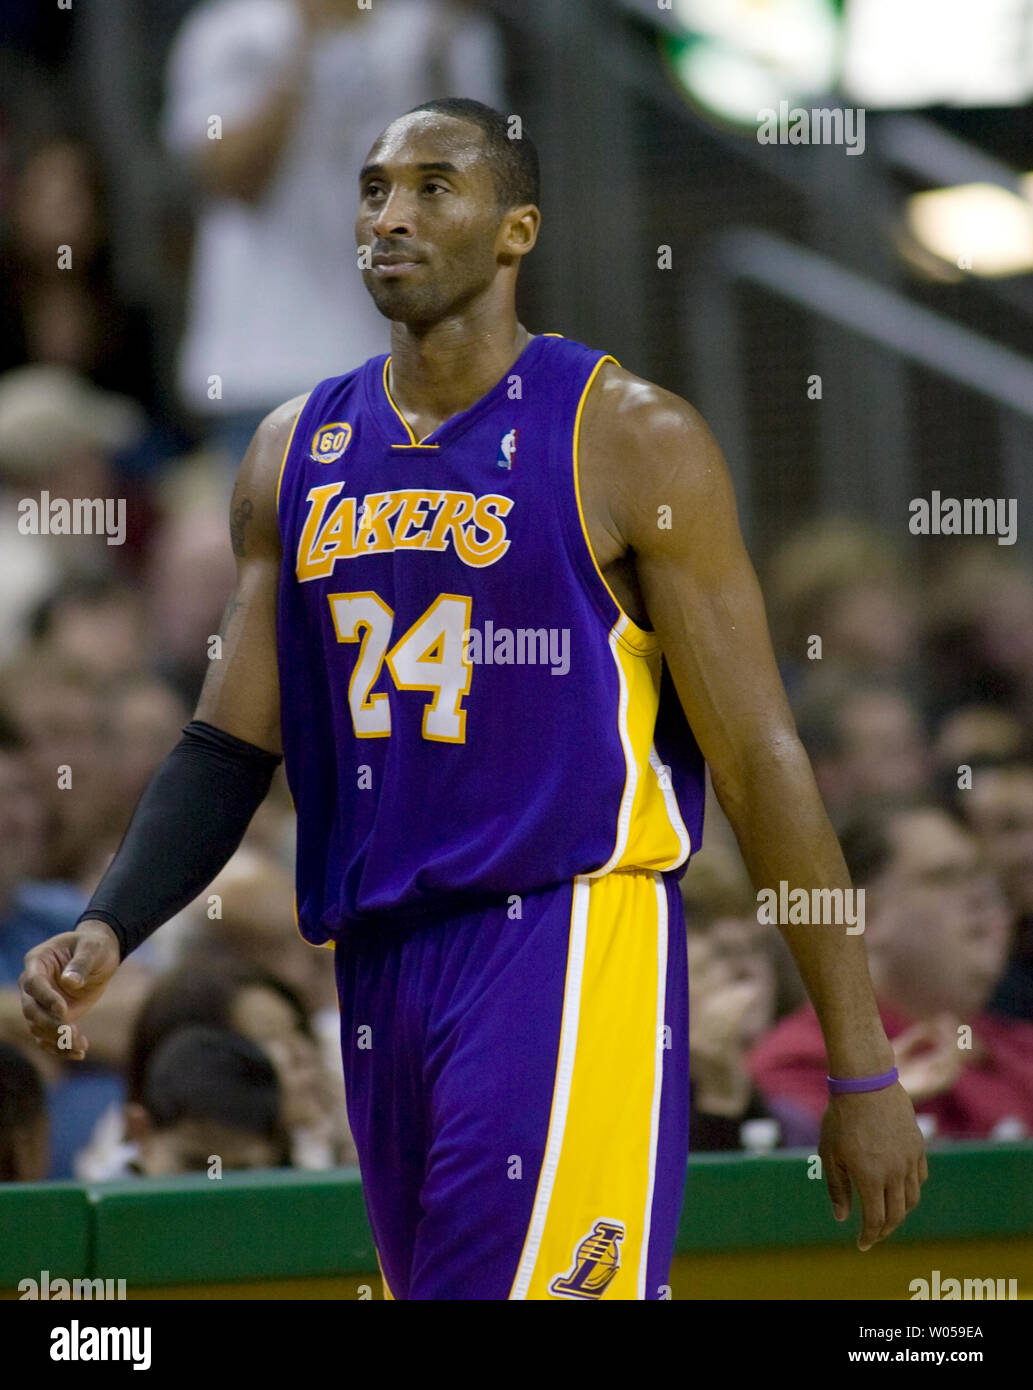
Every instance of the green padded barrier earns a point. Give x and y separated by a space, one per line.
737 1201
241 1226
43 1226
290 1225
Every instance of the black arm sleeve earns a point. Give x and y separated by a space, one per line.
186 825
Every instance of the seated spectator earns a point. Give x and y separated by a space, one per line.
61 437
24 1126
979 629
61 716
34 908
864 739
220 993
94 623
67 310
998 807
843 582
719 888
257 929
973 733
732 997
208 1093
937 927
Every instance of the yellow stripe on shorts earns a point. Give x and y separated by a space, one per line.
588 1236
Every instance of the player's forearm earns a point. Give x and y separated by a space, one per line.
188 823
788 844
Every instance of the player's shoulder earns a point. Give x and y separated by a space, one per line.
258 477
638 418
279 423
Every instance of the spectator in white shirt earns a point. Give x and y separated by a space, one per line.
274 103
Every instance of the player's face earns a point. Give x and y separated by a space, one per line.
428 213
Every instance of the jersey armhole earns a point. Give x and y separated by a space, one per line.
286 455
628 633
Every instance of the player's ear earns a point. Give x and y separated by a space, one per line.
518 231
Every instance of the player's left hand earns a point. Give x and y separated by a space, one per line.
873 1139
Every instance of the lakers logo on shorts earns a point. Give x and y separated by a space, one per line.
596 1261
330 441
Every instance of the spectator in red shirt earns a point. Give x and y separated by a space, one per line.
937 929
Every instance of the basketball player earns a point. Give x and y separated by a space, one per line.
492 606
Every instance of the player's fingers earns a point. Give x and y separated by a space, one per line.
39 1018
913 1189
34 985
837 1181
87 957
895 1207
62 1039
44 1042
923 1169
75 1051
873 1208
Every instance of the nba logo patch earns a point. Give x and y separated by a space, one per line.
330 441
596 1261
507 449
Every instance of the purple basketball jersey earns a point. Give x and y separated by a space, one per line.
467 713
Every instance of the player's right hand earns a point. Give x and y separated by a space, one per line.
63 977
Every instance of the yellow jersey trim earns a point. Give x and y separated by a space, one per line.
283 461
630 634
413 441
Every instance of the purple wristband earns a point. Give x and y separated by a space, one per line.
847 1087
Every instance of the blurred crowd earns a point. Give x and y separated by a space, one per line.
910 675
175 247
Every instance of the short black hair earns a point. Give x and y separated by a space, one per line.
200 1073
513 159
189 995
22 1104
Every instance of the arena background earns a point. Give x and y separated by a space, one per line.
854 323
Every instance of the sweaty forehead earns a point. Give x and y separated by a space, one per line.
426 136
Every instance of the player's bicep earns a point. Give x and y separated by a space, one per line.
702 596
241 693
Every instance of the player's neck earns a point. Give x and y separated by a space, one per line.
438 372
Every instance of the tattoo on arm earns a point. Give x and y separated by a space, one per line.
241 515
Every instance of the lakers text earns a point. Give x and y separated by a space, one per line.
814 907
73 516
